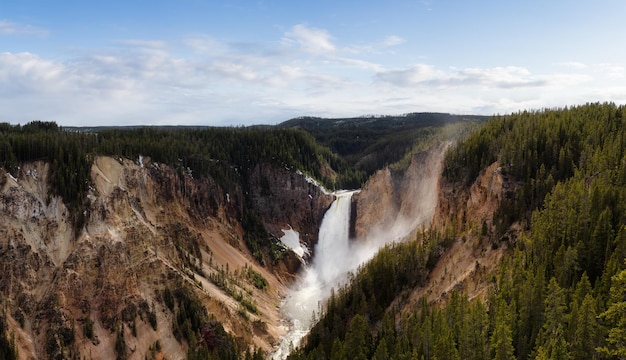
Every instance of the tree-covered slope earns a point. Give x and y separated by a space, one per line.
559 292
370 143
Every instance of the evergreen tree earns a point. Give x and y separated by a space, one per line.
381 352
359 338
444 346
338 352
615 316
502 337
586 335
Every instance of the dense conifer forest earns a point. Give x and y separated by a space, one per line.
560 292
228 155
369 143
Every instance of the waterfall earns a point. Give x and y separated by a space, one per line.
331 262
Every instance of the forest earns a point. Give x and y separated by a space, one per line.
370 143
227 155
560 292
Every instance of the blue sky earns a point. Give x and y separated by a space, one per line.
200 62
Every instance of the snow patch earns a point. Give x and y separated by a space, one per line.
11 177
291 239
33 174
312 181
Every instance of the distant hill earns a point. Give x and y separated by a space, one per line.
369 143
380 122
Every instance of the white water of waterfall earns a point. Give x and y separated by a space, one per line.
330 265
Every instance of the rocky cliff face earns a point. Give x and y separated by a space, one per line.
462 208
394 203
286 199
149 230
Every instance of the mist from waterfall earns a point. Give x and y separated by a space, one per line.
335 255
329 268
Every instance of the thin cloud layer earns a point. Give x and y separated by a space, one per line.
510 77
311 40
305 71
12 28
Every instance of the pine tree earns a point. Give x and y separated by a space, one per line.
444 347
338 352
586 335
554 313
615 316
359 338
502 337
381 352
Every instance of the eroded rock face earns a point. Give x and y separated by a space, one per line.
460 207
285 198
395 202
148 228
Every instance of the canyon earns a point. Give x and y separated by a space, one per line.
148 230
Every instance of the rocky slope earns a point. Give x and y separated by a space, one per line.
149 231
287 199
395 204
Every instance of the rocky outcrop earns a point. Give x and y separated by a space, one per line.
285 199
462 208
395 202
148 228
466 213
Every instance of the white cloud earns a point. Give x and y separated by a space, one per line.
235 71
507 77
356 63
311 40
375 48
614 71
206 45
28 73
392 41
146 44
11 28
574 65
204 80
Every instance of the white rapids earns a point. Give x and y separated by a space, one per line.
330 265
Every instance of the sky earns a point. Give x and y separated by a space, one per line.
232 63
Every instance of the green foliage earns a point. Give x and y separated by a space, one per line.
539 149
88 328
226 154
67 154
395 269
371 143
205 336
187 246
257 279
569 171
615 316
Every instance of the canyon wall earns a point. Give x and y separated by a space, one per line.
395 203
149 231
